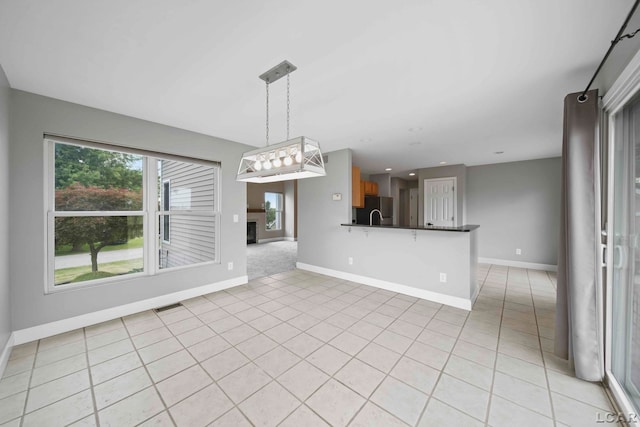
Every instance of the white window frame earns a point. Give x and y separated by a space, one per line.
150 212
278 211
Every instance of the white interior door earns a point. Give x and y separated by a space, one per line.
413 207
440 202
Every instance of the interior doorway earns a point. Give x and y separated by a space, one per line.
440 202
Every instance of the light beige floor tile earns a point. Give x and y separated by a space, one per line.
365 330
303 344
256 346
360 377
372 415
444 327
590 393
265 322
506 414
14 384
56 354
89 421
114 367
120 387
378 319
324 331
405 329
328 358
213 315
379 357
55 390
523 393
233 418
471 372
416 374
12 407
282 333
475 353
161 420
269 406
61 413
462 396
19 365
195 336
336 403
159 350
243 382
105 338
250 314
151 337
23 350
139 317
110 351
303 416
400 400
428 355
175 315
201 408
341 320
208 348
574 413
183 384
393 341
132 410
303 380
224 324
170 365
487 341
61 339
303 321
349 343
146 325
239 334
185 325
224 363
277 361
518 368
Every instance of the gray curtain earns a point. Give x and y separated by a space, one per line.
577 323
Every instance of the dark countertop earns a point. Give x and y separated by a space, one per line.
463 228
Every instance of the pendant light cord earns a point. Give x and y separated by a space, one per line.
267 82
288 103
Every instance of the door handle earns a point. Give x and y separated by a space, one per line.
619 251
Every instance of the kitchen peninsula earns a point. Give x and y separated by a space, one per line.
434 263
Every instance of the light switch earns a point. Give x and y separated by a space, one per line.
236 218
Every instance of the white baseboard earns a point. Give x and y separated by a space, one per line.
291 239
518 264
65 325
271 239
452 301
6 352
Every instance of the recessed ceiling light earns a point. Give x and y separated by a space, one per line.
443 163
412 174
498 152
388 169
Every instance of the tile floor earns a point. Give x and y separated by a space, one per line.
302 349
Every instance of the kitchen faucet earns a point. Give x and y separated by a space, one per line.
371 216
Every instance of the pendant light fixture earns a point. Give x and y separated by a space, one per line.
292 159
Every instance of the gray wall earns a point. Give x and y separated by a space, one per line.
458 171
290 214
5 316
34 115
384 184
517 205
319 217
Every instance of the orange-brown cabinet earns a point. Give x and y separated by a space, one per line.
357 188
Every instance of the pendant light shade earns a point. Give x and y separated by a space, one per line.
292 159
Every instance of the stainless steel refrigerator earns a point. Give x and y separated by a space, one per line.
383 204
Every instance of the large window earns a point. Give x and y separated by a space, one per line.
273 210
106 219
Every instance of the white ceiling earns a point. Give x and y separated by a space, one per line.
405 84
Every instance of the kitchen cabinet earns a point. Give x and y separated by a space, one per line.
357 188
370 188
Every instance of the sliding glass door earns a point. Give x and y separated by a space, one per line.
623 285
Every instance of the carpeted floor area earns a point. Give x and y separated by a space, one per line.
265 259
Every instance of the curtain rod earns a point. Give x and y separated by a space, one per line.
614 42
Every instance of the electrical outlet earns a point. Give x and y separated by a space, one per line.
230 266
518 251
350 260
236 218
443 277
